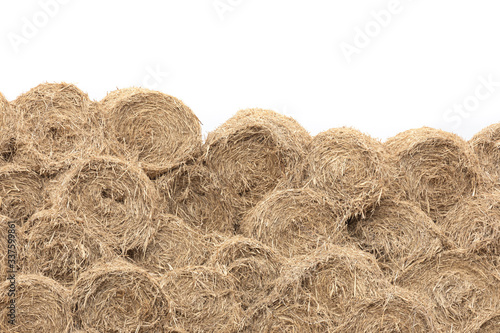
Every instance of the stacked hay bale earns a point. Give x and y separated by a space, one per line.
486 145
7 146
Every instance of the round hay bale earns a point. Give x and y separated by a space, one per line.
459 286
435 168
174 245
252 152
194 193
295 221
253 265
398 310
116 197
350 167
156 130
21 192
398 233
41 305
61 246
489 323
119 297
203 299
486 145
57 124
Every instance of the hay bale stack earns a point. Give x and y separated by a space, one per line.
56 124
119 297
397 234
195 194
253 265
61 246
156 130
489 323
252 152
41 305
460 286
21 192
486 145
350 167
435 168
114 196
295 221
203 299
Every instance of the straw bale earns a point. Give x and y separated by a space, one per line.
486 145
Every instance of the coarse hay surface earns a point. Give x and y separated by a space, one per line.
60 245
435 168
119 297
41 305
152 128
397 234
350 166
253 265
21 192
252 151
114 196
203 299
56 124
398 310
460 286
194 193
488 323
174 245
486 145
295 221
5 109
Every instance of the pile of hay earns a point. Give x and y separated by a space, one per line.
203 300
435 168
398 310
252 152
486 145
41 305
295 221
398 233
174 245
21 192
119 297
156 130
116 197
489 323
194 193
350 167
56 124
61 246
460 286
253 265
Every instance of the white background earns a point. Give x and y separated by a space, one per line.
219 56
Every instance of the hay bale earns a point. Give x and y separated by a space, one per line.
174 245
119 297
398 310
116 197
21 192
5 110
397 234
435 168
61 246
41 305
252 152
489 323
486 144
253 265
460 287
56 124
203 299
156 130
295 221
194 193
350 167
14 244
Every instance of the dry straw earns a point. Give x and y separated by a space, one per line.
486 145
114 196
119 297
252 152
397 234
61 246
6 131
203 299
435 168
489 323
295 221
152 128
460 286
5 243
41 305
